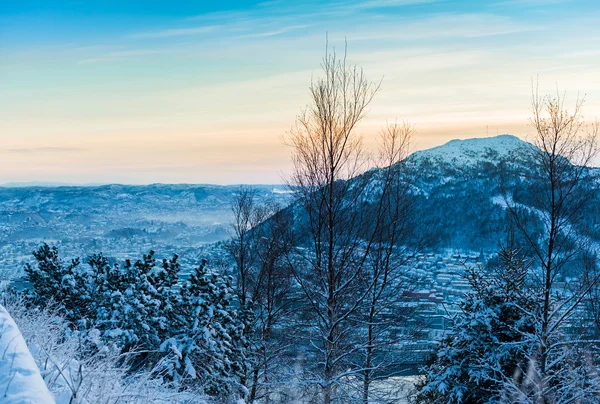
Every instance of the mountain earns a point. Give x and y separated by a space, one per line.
458 199
457 159
460 188
457 189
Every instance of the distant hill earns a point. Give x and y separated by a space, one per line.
467 152
118 220
41 184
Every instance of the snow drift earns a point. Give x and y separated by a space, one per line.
20 378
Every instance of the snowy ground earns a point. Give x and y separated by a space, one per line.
20 379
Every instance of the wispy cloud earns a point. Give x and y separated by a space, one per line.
529 3
174 32
276 32
370 4
274 18
119 55
441 27
45 150
218 96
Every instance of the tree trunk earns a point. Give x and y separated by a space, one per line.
252 395
369 357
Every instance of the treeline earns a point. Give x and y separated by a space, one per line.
188 331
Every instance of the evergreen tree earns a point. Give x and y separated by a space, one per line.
166 284
488 342
54 281
196 330
209 346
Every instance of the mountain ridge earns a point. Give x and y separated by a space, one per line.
471 150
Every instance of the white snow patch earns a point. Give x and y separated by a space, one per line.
282 191
20 378
502 201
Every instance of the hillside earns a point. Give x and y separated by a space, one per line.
459 190
458 200
457 187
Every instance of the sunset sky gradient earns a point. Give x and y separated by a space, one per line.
201 92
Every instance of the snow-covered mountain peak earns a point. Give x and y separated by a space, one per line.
469 151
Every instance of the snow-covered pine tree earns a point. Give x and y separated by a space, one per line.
106 280
166 285
167 276
488 342
208 348
46 276
134 318
195 329
113 290
54 281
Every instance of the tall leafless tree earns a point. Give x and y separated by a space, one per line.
387 274
273 301
259 244
245 217
562 187
342 217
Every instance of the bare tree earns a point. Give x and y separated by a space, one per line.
274 301
245 217
259 243
344 217
328 151
387 273
562 185
241 248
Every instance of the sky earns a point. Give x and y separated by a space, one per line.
150 91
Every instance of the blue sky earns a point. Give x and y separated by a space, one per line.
156 91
